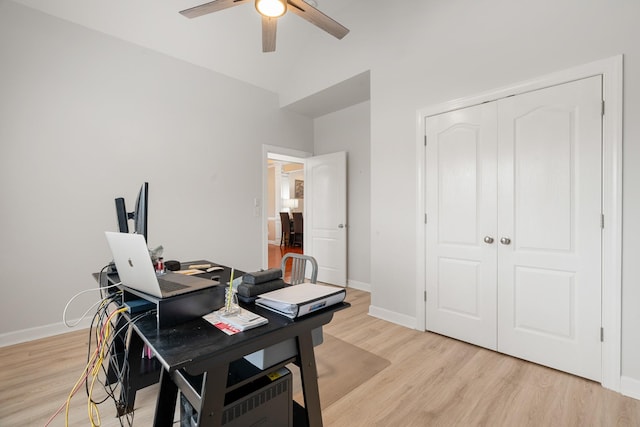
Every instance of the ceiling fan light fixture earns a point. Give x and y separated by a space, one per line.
271 8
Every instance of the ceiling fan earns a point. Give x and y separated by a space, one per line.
271 10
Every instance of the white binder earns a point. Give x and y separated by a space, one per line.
300 300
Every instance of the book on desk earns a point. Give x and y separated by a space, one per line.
300 300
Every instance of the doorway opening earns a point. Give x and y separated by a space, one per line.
322 196
283 191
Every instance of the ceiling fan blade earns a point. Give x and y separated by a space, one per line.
212 6
269 26
317 18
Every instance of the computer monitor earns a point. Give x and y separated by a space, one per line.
123 217
139 215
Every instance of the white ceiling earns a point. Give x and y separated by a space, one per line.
227 41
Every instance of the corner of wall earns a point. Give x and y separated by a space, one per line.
361 286
630 387
393 317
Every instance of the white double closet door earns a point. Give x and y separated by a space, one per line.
513 256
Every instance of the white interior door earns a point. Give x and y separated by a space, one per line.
525 173
461 206
325 223
549 207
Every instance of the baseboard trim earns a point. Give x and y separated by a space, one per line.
630 387
393 317
30 334
361 286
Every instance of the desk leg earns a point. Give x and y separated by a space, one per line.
309 379
118 348
130 382
214 386
166 403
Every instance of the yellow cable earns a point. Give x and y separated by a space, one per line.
105 302
99 354
91 406
75 388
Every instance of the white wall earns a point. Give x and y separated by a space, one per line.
349 130
428 52
85 118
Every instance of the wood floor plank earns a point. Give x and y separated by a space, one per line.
420 379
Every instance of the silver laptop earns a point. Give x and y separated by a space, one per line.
136 270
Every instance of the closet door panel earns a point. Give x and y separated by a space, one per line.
549 207
461 212
543 179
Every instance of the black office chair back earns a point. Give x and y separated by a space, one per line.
285 236
298 229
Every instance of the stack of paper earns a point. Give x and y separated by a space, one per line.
237 322
299 300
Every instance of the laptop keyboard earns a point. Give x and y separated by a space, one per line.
170 286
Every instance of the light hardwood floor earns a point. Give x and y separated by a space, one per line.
424 380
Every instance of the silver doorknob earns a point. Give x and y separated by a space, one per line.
488 239
340 225
505 241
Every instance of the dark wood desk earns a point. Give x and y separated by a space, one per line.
198 350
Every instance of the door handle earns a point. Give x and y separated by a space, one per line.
341 225
488 239
505 241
